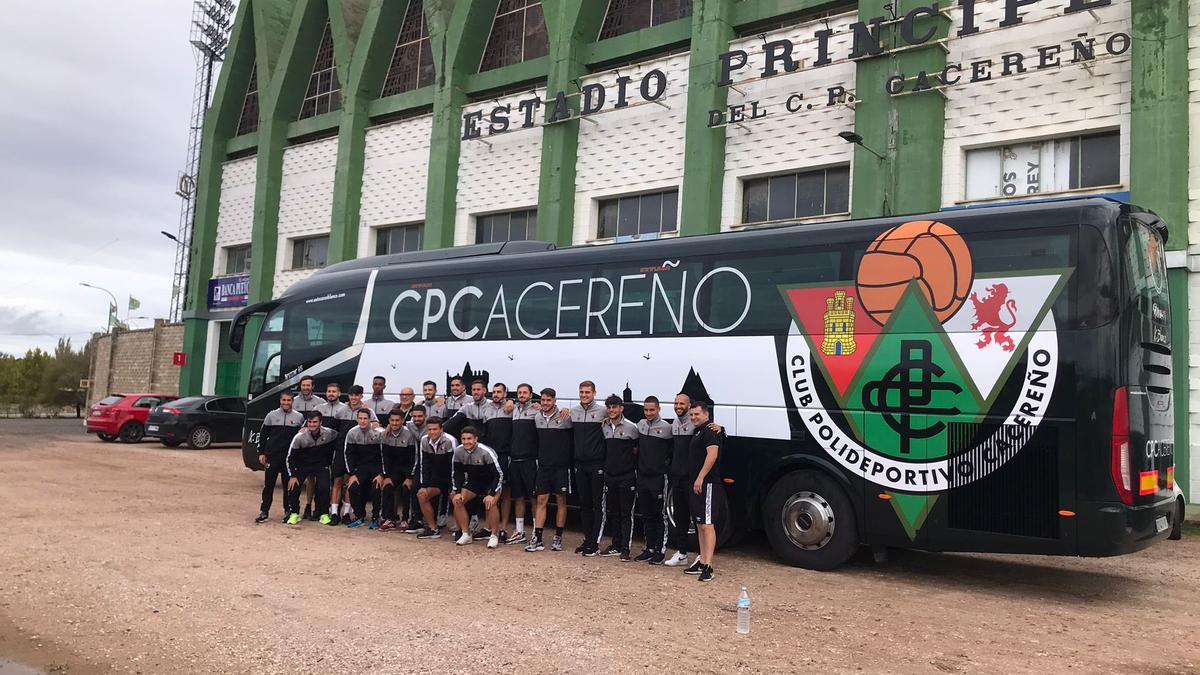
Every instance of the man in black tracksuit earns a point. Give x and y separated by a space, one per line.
681 482
497 433
476 473
278 429
399 446
431 473
339 417
620 481
522 467
655 443
554 439
586 418
308 456
364 467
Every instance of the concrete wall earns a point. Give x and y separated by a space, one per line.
136 361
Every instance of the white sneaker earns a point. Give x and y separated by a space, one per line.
493 541
464 539
678 560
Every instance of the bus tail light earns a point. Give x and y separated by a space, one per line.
1121 469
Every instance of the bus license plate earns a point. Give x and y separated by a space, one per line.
152 427
1160 524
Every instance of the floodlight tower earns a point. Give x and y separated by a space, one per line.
211 23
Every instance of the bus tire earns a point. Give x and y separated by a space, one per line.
810 521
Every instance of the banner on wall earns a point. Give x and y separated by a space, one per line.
228 292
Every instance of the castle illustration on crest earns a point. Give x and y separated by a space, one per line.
839 326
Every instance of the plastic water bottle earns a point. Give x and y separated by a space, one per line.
743 617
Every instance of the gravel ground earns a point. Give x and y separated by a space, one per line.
143 559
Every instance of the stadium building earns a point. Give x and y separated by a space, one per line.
349 128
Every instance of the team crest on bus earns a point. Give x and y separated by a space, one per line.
914 356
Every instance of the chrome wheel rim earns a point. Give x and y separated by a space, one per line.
808 520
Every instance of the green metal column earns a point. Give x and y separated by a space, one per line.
280 107
366 69
1158 168
908 130
704 148
458 33
219 126
570 26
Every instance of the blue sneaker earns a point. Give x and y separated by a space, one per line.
374 525
354 523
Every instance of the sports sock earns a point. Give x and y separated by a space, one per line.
333 509
558 531
520 526
537 533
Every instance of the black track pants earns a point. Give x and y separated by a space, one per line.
681 494
590 481
653 492
621 497
363 490
321 475
275 472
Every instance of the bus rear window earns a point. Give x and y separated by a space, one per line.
1146 282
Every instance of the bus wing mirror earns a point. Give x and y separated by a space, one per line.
237 332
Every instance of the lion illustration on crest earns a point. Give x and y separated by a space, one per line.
987 316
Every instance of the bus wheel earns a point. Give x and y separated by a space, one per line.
810 521
1177 526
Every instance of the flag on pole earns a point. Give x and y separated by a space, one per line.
134 303
113 322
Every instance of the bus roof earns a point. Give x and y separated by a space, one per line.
1084 209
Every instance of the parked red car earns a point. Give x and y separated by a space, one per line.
123 416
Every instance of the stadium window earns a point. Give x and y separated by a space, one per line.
651 213
324 92
310 252
1046 166
237 259
508 226
518 34
790 196
627 16
248 123
399 239
412 60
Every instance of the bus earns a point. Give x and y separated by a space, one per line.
986 379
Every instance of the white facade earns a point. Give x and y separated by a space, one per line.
395 177
785 142
305 203
235 213
497 172
1040 104
639 148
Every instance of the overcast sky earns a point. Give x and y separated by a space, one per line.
96 98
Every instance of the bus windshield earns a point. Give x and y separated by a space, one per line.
318 327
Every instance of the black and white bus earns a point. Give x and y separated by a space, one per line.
992 379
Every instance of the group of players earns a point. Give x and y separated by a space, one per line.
481 456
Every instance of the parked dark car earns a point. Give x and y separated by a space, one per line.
198 421
123 416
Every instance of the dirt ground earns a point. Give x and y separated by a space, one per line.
143 559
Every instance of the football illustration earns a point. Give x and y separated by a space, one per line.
930 253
